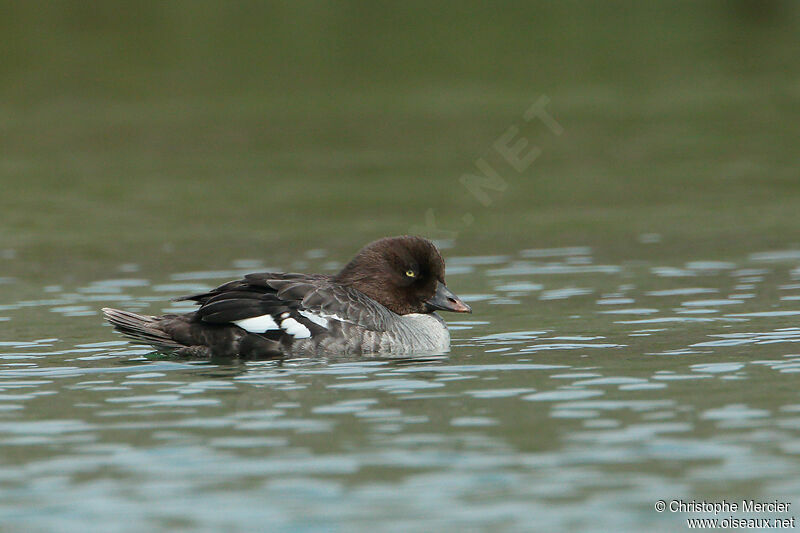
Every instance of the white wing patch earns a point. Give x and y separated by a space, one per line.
315 318
264 323
334 316
295 328
257 324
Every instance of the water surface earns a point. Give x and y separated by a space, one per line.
573 398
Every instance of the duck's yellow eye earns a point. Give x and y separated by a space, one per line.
410 273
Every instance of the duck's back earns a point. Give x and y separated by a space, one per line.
270 315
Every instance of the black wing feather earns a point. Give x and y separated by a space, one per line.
272 293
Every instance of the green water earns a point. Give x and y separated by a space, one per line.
146 152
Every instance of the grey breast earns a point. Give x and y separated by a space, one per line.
407 334
418 333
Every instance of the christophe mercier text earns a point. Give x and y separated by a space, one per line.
747 506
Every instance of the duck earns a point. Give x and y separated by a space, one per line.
384 301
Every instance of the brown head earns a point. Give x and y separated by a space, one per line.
405 274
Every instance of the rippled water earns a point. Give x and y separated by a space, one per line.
576 395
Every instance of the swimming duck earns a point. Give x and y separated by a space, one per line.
384 301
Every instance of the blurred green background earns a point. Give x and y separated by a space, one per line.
187 134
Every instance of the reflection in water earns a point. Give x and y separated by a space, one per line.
583 419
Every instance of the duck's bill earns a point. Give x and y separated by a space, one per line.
444 300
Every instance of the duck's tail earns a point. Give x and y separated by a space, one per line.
142 328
